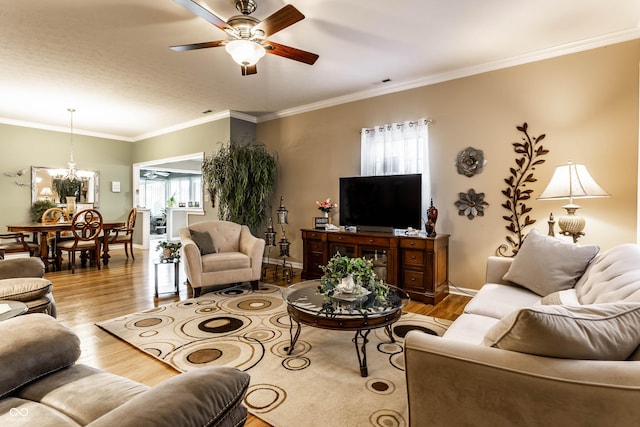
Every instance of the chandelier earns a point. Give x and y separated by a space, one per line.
71 174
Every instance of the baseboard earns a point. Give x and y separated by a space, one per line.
456 290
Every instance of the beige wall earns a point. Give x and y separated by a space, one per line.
586 104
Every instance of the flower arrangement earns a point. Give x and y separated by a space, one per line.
360 269
326 205
170 250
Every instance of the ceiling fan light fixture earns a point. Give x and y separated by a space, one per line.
245 52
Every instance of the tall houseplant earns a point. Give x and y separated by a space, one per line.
243 177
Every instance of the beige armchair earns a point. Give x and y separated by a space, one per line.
22 279
220 253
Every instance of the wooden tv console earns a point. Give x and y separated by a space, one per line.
419 265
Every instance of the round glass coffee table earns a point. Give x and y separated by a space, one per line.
9 309
306 305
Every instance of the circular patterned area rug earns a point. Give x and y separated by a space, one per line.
319 384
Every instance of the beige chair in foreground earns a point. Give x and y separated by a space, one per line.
220 253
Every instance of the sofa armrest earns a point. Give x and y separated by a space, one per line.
497 267
208 396
34 345
191 258
21 267
254 248
468 384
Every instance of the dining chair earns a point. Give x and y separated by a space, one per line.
86 227
125 234
16 243
54 216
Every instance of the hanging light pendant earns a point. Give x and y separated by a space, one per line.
72 173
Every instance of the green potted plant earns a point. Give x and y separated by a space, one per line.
343 274
170 250
39 207
66 188
243 178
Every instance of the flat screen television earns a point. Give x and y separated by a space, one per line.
381 202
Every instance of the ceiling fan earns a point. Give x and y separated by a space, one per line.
249 35
154 174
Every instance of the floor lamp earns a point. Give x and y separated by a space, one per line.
569 182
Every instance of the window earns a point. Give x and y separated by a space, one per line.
395 149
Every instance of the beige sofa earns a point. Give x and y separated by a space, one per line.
220 253
516 357
21 279
41 385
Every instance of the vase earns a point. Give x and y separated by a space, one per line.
166 253
71 205
347 285
325 214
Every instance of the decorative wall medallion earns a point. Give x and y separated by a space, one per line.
530 151
471 204
470 161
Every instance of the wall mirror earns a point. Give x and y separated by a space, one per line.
45 182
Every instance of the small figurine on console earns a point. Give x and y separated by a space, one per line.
432 217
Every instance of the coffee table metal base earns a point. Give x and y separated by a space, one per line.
361 326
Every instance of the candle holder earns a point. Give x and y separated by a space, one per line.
284 244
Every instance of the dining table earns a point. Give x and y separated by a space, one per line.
41 233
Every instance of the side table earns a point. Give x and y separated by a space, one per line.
9 309
176 272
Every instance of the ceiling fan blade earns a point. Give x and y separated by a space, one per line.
281 19
203 13
290 52
194 46
251 69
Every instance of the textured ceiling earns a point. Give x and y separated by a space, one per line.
110 59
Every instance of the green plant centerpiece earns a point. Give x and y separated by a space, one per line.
170 250
359 269
67 188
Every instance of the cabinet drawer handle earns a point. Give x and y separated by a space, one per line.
370 240
412 243
413 279
339 237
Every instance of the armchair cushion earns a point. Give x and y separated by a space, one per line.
203 241
21 267
34 345
24 288
208 396
596 332
545 264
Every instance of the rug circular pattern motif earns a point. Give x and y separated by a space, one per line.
319 381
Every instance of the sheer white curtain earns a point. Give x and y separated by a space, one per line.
398 148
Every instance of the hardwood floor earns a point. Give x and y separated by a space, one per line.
126 286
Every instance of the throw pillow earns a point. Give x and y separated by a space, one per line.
203 241
566 297
596 332
545 264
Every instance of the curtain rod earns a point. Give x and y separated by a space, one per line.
398 125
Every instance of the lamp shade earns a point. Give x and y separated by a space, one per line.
572 181
245 52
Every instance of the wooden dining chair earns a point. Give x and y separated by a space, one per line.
16 243
125 234
54 216
86 227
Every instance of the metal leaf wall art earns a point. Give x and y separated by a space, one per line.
529 150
